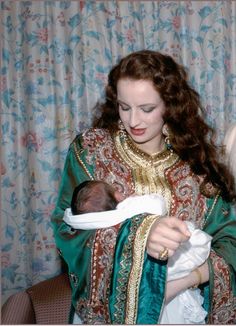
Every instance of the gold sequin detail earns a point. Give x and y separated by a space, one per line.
148 170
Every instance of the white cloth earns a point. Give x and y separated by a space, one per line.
186 307
133 205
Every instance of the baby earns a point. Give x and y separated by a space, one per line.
92 196
95 204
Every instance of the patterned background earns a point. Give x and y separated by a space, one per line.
55 56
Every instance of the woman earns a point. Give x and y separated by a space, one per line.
150 137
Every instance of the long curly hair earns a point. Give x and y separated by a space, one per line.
191 137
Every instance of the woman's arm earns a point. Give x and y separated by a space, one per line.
72 244
191 280
170 233
220 268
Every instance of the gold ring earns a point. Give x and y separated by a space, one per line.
164 254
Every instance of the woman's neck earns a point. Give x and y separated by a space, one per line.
150 148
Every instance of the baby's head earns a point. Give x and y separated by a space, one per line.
93 196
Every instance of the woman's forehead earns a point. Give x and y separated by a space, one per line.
137 91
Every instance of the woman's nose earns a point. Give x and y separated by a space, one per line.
134 118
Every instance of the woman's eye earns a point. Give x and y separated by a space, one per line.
148 109
124 108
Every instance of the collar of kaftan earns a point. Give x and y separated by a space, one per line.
148 170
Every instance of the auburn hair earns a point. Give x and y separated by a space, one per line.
191 137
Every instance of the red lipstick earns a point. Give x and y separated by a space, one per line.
137 132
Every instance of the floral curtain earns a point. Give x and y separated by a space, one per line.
55 56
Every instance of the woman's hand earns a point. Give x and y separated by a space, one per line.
176 286
166 233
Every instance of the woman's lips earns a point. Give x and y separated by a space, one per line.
137 132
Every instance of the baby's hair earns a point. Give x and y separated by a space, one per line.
93 196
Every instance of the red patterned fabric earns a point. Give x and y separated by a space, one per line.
223 304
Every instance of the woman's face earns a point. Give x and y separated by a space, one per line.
141 110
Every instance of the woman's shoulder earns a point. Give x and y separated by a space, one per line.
92 137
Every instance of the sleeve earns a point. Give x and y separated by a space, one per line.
73 245
75 171
221 225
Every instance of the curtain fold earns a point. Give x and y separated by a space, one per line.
55 57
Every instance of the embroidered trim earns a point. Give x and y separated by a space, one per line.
186 203
137 267
148 170
208 214
123 273
223 309
77 154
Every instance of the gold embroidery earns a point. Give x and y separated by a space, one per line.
210 209
77 154
136 270
148 170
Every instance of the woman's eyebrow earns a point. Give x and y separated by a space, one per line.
140 105
121 102
147 104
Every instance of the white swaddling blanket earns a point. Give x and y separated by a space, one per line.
186 307
133 205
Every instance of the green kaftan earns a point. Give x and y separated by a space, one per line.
113 279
